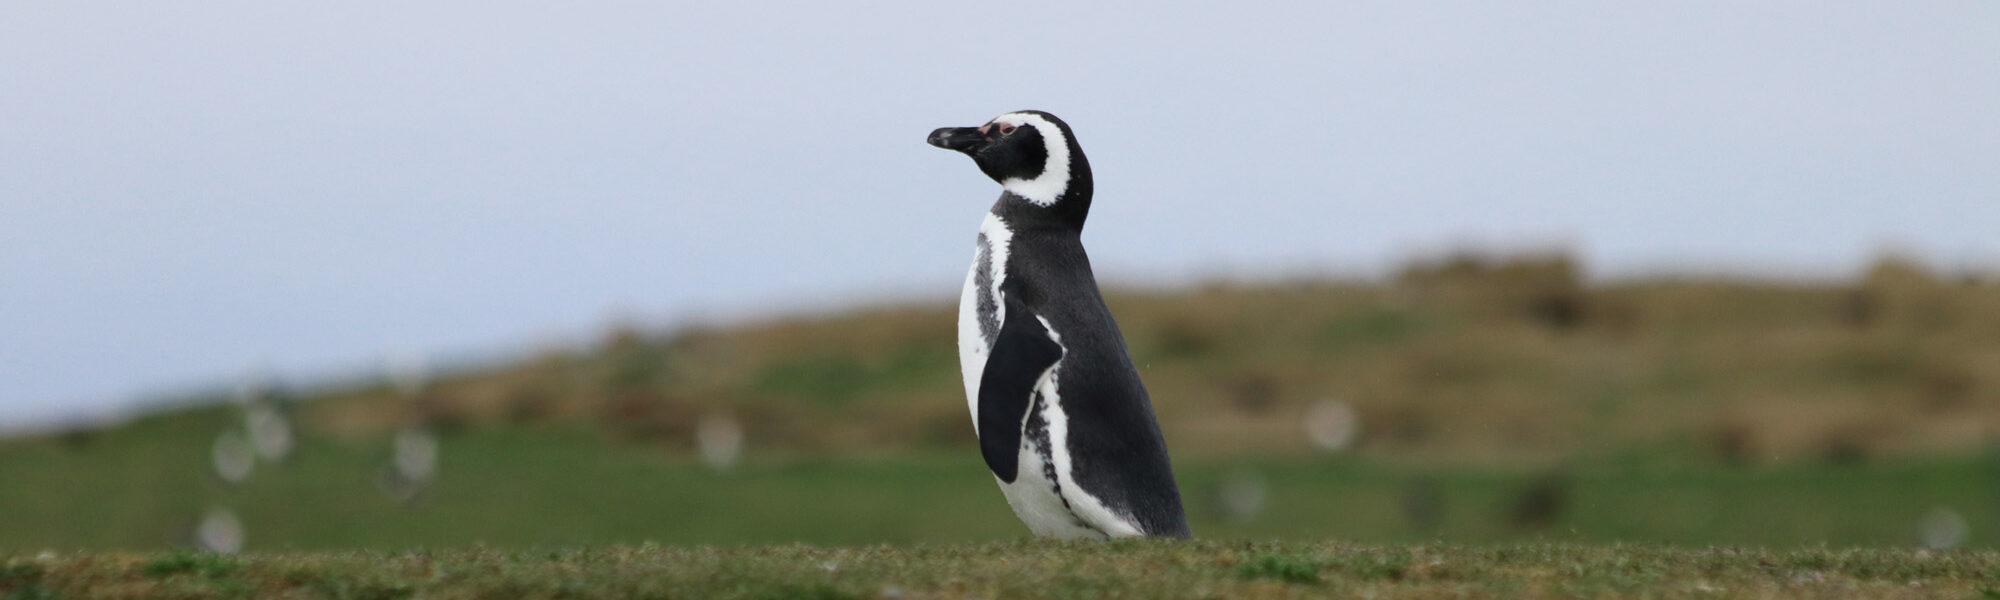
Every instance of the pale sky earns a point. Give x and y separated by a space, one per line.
189 194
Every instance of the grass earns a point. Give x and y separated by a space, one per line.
1125 569
145 488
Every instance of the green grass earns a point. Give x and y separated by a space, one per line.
144 488
1125 569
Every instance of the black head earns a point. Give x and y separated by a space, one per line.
1031 153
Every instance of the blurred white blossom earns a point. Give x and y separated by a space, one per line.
1942 529
232 456
220 531
270 431
1332 425
719 438
1242 495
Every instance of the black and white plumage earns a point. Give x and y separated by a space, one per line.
1062 417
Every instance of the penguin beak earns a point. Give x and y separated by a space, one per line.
962 139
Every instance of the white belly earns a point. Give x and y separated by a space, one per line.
1044 493
971 347
1034 499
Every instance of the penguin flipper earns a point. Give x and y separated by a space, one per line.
1023 352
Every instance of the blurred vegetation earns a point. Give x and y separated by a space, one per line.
147 485
1497 399
1463 359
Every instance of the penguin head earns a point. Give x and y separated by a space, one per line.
1031 153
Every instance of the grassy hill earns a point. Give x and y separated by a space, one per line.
1496 400
1462 360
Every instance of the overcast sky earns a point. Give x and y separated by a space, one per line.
190 193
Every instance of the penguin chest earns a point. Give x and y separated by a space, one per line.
1045 492
979 305
1036 493
972 345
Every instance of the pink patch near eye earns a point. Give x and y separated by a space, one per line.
985 129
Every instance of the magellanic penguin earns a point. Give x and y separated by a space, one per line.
1062 418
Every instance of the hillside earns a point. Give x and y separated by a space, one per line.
1495 401
1456 361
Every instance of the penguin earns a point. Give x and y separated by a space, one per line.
1062 417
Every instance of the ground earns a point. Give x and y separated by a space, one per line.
1021 569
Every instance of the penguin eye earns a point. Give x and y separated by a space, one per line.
1006 129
